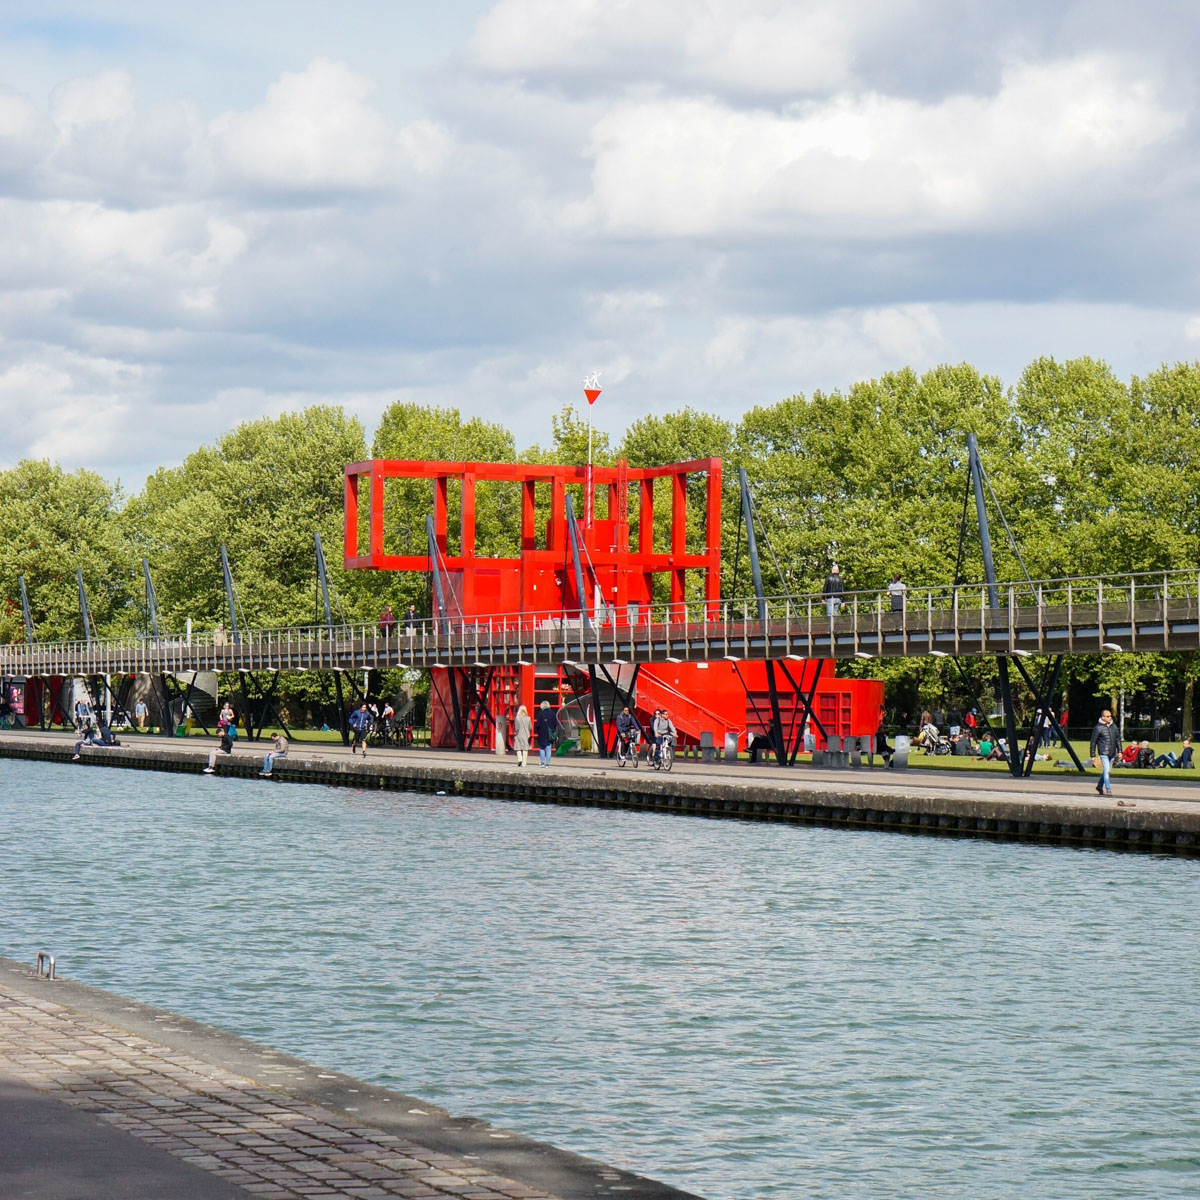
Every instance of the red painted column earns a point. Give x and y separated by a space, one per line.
350 531
678 535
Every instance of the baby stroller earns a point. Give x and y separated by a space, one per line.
931 741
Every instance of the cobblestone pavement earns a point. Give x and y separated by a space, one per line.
274 1146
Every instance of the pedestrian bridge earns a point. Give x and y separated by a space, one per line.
1144 612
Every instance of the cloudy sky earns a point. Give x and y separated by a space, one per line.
212 212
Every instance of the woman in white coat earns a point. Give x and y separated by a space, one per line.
522 735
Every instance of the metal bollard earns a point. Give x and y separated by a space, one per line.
46 960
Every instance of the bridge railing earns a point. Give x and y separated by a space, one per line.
1107 597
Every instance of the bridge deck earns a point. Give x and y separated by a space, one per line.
1166 624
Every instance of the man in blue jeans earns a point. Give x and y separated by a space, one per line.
1106 745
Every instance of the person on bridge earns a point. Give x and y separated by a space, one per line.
386 621
897 590
1105 746
411 620
522 735
833 590
547 724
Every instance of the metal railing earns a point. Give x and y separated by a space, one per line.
961 617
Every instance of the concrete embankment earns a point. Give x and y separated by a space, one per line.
1161 816
214 1117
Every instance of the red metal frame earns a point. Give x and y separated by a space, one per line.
541 581
536 581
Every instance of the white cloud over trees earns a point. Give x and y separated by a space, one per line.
716 204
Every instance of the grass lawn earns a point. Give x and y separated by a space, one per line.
951 762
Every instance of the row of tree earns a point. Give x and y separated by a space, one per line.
1095 475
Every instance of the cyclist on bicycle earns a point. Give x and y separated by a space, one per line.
629 731
662 728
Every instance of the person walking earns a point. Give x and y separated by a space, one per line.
386 621
410 621
547 724
833 590
1105 746
225 747
522 735
279 749
897 591
360 722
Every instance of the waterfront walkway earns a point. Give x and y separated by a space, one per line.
105 1099
1161 812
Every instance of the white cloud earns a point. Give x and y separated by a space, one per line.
874 165
92 100
747 46
317 130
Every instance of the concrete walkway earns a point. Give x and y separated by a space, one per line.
1175 791
93 1106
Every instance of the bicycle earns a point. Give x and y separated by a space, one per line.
629 749
663 758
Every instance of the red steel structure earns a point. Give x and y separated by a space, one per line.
611 570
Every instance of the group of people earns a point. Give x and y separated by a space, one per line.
835 588
526 728
369 718
387 621
630 733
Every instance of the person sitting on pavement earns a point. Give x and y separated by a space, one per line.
279 749
89 736
225 747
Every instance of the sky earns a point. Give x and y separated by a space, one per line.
211 213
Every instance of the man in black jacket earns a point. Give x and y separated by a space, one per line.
1106 745
833 590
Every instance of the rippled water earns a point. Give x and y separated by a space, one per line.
742 1010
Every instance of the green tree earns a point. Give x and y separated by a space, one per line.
261 491
52 523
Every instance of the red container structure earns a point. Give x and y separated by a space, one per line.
654 538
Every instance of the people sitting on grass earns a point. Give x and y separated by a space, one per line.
989 750
1181 762
1129 756
962 744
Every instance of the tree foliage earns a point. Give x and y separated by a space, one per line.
1094 474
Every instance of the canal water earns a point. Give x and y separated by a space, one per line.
741 1010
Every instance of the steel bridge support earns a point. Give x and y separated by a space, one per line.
748 515
989 568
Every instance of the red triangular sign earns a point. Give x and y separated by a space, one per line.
591 394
